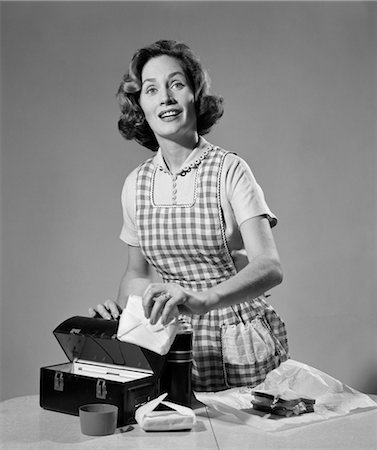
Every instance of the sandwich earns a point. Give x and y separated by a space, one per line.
286 403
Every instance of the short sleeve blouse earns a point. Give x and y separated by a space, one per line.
241 197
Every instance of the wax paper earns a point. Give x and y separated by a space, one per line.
332 397
136 329
178 417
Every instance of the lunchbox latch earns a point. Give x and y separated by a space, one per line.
58 381
101 391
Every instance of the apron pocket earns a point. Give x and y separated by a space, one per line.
248 343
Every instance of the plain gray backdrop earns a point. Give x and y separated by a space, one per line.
299 83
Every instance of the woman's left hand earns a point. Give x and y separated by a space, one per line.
168 300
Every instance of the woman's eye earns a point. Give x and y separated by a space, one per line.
150 90
177 85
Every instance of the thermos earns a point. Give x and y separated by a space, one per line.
176 378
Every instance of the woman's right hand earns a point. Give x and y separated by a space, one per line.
108 310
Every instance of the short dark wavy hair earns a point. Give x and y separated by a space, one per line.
132 123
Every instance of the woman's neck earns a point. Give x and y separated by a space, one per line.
176 153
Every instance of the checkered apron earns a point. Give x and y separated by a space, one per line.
187 245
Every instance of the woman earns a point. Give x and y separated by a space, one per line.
196 214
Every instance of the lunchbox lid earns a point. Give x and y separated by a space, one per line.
95 339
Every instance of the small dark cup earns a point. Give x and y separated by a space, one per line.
98 419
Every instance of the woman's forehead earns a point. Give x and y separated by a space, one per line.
161 65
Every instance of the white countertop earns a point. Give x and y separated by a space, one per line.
25 425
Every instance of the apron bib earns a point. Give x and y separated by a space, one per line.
187 245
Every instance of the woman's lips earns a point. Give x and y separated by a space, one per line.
170 114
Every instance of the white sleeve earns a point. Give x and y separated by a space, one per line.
243 192
128 233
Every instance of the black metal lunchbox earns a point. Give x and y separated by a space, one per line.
101 369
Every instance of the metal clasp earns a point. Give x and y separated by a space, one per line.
101 391
58 381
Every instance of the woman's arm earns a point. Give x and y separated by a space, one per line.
136 278
261 274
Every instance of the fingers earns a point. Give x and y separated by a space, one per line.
114 308
160 301
162 306
170 312
152 292
103 311
92 312
108 310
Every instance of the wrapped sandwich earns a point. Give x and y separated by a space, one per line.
286 403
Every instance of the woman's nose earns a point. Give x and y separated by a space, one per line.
166 97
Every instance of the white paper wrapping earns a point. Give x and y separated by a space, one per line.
180 418
135 328
333 398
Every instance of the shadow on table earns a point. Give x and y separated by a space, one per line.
67 430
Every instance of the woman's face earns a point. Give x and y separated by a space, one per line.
167 99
